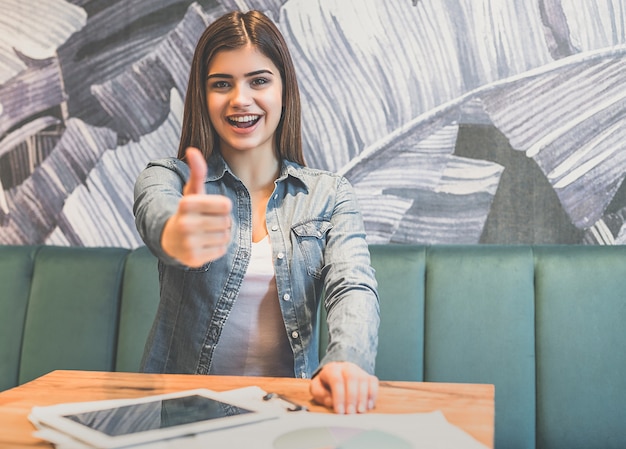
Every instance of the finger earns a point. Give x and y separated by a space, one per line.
338 397
320 393
338 391
198 171
352 385
207 240
331 379
364 393
213 205
373 392
204 252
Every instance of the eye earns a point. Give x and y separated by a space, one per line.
219 85
260 81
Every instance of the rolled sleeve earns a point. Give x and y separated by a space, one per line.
351 299
157 192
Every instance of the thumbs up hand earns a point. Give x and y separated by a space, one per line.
198 171
199 231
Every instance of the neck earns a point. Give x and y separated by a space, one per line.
257 171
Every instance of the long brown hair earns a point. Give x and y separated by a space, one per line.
232 31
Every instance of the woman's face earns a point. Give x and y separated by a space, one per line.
244 99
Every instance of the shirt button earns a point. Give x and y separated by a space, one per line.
280 255
274 228
276 196
303 375
294 334
286 297
319 234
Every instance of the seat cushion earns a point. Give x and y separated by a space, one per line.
400 274
139 303
480 329
16 270
581 342
71 320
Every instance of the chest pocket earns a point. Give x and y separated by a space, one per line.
311 239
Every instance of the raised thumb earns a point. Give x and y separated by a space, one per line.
198 170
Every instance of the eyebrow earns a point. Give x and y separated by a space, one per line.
249 74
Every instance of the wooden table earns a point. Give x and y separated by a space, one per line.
468 406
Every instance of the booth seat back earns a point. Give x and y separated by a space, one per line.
544 324
73 308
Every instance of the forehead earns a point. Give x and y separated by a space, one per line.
240 61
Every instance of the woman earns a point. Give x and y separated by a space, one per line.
249 239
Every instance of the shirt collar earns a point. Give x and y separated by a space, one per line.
294 172
290 171
218 167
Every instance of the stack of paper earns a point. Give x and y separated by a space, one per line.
279 429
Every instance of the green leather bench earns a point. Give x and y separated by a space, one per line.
544 324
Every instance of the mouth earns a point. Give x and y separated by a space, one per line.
244 121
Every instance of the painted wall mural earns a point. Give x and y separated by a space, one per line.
457 121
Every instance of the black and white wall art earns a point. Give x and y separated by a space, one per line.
457 121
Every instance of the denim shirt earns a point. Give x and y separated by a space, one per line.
319 250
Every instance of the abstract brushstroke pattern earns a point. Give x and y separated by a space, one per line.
34 30
90 91
34 206
99 212
574 126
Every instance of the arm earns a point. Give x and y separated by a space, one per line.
345 379
177 220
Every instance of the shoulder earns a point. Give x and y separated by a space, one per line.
169 163
170 172
164 168
315 177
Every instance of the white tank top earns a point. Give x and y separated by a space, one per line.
254 340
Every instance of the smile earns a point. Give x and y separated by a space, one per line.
244 121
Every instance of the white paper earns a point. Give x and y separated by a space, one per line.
419 430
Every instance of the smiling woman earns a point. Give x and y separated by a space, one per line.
248 237
244 98
237 31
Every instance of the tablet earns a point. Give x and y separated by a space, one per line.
152 418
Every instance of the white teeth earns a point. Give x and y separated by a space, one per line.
245 118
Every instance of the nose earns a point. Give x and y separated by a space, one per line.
241 95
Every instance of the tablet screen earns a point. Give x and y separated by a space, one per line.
160 414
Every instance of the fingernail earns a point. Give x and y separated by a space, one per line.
340 409
370 404
362 408
351 409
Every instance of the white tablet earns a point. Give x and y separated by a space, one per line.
152 418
